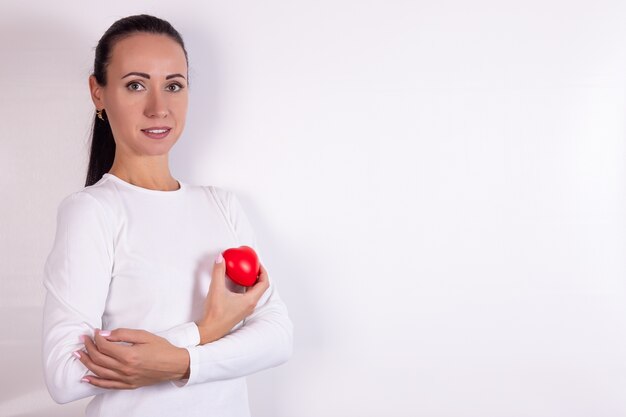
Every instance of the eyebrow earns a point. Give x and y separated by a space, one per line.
144 75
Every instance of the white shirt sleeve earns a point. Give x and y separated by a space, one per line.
264 340
77 274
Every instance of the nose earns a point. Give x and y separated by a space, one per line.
156 105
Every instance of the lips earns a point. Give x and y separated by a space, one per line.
157 132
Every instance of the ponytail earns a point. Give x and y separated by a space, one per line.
102 150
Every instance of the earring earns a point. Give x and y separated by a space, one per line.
99 113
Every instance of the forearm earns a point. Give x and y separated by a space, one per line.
260 344
182 335
209 333
264 341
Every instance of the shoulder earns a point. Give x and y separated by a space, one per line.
83 209
104 197
79 201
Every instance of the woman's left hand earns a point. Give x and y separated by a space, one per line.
149 360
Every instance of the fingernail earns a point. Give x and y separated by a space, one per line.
82 338
105 333
219 259
85 380
75 353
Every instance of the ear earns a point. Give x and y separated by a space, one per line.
96 92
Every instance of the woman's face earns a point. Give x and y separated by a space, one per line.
146 89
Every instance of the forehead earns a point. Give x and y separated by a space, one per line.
146 52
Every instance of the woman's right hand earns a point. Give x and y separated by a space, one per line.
223 309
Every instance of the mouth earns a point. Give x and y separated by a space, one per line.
156 132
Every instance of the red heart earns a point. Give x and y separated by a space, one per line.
242 265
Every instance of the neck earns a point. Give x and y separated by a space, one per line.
152 177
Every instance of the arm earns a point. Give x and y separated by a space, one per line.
77 274
182 335
264 340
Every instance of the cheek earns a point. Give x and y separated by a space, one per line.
128 111
180 105
179 109
126 120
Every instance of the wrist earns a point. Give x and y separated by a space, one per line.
185 364
207 333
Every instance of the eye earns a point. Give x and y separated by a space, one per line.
129 85
180 87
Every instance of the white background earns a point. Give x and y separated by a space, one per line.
438 190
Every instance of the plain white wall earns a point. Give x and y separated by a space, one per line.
438 188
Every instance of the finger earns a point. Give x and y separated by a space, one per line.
262 270
114 345
262 284
132 336
263 278
98 355
97 369
107 383
219 272
103 366
263 275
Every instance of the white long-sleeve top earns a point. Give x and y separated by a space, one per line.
126 256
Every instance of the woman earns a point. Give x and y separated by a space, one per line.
134 250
